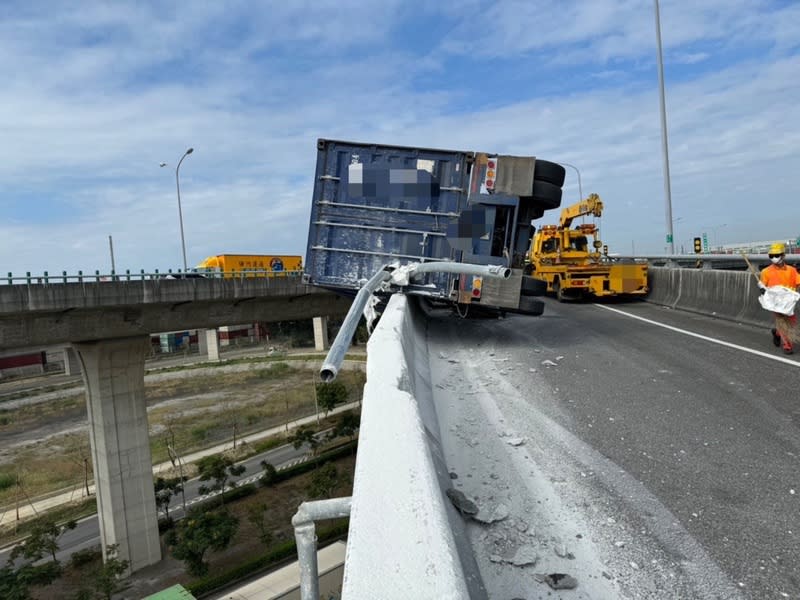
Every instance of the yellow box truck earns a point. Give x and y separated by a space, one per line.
251 265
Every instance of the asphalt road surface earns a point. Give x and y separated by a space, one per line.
650 453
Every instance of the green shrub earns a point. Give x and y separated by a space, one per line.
86 556
308 466
231 494
281 552
199 434
268 444
165 524
7 480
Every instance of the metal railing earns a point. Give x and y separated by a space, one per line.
81 277
708 261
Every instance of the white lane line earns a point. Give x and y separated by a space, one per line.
794 363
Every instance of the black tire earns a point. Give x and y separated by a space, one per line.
545 196
551 172
531 306
533 287
560 296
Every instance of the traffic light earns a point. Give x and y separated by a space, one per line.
698 245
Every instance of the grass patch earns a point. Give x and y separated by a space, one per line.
42 390
7 480
189 413
252 359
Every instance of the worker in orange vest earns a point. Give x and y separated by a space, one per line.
779 273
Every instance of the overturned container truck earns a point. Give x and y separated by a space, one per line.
429 213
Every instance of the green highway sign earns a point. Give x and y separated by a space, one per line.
669 238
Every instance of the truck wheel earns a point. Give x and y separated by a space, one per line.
559 292
531 306
533 287
545 195
550 172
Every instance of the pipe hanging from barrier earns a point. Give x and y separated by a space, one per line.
306 539
400 276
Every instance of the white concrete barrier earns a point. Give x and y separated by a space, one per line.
731 295
406 540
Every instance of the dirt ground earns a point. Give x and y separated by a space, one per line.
46 444
281 500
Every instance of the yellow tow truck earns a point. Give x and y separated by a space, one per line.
561 256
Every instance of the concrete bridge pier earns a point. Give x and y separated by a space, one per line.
113 372
71 364
208 343
321 333
212 345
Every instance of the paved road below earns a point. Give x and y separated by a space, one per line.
87 532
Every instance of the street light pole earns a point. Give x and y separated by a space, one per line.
580 187
180 213
664 144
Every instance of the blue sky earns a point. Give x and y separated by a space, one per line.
95 97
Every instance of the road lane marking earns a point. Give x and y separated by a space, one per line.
787 361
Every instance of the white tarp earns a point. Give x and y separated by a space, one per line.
779 299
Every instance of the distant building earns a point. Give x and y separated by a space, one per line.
757 247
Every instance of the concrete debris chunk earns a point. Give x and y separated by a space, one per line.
517 441
464 505
561 581
549 363
562 552
487 516
524 556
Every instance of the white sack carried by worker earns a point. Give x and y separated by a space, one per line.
779 299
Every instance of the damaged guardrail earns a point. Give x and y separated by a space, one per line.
389 277
306 538
406 537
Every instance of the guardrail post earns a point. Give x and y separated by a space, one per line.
46 277
28 277
113 276
96 275
80 276
156 274
141 274
64 276
10 278
127 274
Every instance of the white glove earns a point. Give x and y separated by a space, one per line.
761 286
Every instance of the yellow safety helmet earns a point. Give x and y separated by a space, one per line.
777 249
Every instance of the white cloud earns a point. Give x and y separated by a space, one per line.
100 96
